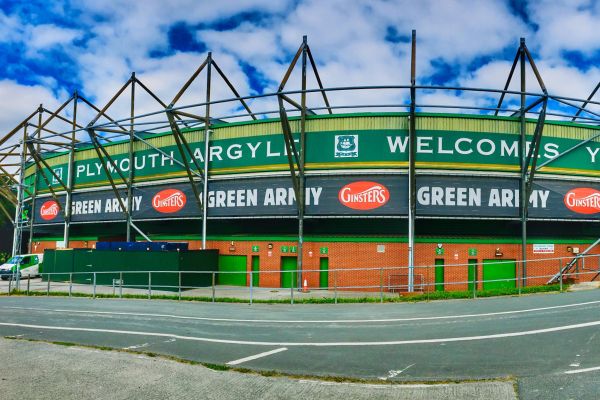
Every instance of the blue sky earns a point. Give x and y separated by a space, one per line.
48 49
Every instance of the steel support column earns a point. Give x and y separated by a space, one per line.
131 159
300 200
522 150
70 179
206 151
412 185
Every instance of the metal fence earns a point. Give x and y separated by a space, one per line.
381 283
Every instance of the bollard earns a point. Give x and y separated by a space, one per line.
213 287
94 288
28 282
292 293
149 285
48 288
120 285
179 285
9 284
70 284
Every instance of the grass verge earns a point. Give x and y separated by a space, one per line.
318 300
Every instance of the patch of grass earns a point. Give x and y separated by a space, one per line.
316 300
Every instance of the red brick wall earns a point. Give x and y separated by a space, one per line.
392 261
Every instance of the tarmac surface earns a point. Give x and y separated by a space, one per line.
546 344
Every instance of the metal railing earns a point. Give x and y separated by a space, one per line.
374 283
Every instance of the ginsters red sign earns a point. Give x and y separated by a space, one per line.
49 210
583 200
168 201
364 195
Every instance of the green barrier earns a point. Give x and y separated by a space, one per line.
122 268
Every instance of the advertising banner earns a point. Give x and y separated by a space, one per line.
356 195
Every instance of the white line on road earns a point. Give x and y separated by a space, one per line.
256 356
331 321
580 371
311 344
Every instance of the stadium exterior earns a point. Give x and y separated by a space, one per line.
325 187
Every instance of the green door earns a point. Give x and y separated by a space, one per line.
439 274
472 272
232 264
503 272
289 273
324 273
255 271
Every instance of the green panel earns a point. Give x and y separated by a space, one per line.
499 269
255 271
458 142
324 272
232 264
472 272
289 273
439 274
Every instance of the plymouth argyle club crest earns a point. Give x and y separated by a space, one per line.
346 146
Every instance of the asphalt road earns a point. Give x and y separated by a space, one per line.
547 343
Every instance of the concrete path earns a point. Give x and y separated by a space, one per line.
44 371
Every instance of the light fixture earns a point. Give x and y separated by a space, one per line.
270 246
498 252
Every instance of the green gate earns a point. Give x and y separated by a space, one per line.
255 271
229 265
324 273
439 274
289 273
503 272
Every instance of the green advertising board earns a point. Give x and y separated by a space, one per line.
330 146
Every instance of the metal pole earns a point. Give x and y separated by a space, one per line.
35 179
28 283
179 286
205 187
251 285
475 268
70 283
381 285
94 289
130 151
48 287
560 278
522 155
292 293
206 150
149 285
10 284
70 176
213 287
335 286
411 166
120 285
301 181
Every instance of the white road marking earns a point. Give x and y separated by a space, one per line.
256 356
136 346
312 344
394 373
579 371
331 321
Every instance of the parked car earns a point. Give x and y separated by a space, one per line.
25 265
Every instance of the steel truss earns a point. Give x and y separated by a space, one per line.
44 132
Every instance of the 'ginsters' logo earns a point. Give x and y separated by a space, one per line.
364 195
49 210
583 200
168 201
